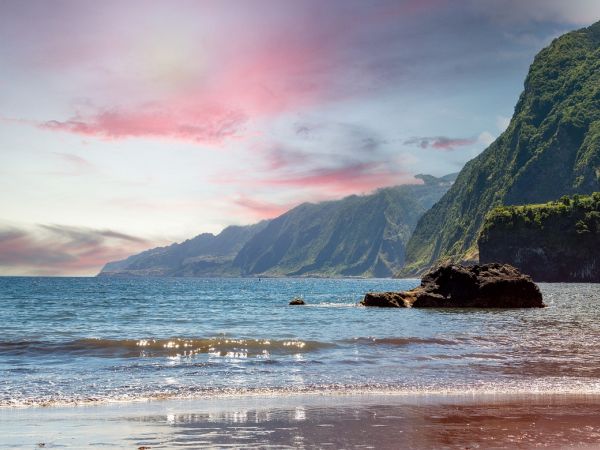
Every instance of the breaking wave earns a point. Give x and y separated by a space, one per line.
134 348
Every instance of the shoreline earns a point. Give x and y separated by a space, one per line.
335 391
306 420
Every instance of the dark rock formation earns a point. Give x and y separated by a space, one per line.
454 286
297 301
557 241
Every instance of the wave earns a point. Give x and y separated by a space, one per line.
132 348
470 391
333 305
171 347
401 341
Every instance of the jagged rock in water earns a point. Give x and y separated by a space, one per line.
455 286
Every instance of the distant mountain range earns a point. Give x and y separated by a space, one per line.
206 254
551 148
356 236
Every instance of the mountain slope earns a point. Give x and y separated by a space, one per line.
355 236
551 148
206 254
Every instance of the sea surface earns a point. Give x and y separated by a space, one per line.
95 340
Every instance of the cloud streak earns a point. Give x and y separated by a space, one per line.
260 209
207 126
350 178
323 160
441 143
56 249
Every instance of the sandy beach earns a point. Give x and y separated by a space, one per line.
345 421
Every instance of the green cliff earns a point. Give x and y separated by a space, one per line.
556 241
355 236
550 149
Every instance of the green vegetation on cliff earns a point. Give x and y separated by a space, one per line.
205 254
556 241
550 149
355 236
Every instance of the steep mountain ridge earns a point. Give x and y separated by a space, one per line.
355 236
206 253
551 148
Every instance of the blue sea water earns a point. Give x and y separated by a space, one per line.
79 340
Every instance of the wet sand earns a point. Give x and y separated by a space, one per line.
344 421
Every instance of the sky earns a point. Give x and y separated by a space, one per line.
130 124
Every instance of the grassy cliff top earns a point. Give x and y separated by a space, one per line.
584 207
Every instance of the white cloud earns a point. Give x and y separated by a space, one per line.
502 122
486 138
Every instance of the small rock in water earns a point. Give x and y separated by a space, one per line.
297 301
455 286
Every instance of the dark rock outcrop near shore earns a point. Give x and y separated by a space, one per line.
454 286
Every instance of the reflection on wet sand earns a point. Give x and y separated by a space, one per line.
386 426
319 422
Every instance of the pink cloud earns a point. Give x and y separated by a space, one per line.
190 80
259 209
316 185
261 73
210 126
273 80
52 249
350 179
328 182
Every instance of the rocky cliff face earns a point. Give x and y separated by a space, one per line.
556 241
551 148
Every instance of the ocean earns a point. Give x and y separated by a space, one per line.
66 341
